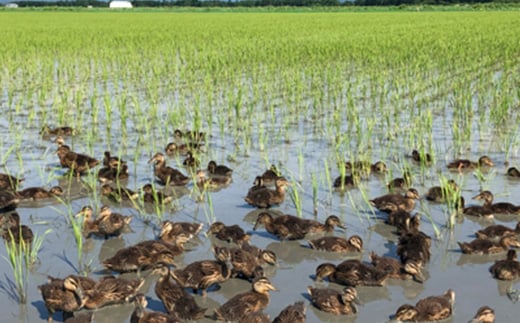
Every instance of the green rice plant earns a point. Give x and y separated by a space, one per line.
314 181
36 245
17 256
295 198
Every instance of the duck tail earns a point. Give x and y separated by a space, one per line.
465 247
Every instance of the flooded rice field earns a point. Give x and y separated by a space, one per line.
307 117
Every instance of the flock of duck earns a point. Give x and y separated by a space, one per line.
237 257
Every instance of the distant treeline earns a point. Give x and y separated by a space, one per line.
253 3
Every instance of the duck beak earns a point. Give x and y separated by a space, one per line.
419 277
271 287
477 197
357 301
342 226
151 160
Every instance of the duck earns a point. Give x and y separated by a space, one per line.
90 226
481 246
365 167
500 207
331 222
285 227
352 272
432 308
497 231
140 315
346 181
190 161
258 185
8 201
110 223
200 275
396 202
265 198
58 131
293 313
219 170
113 173
507 269
255 317
151 195
190 135
513 172
233 233
36 193
333 301
167 175
205 182
439 194
337 244
485 314
400 183
481 211
249 265
175 299
414 246
270 175
410 270
425 158
118 194
170 230
61 295
111 290
263 256
243 304
13 231
9 182
173 148
399 219
465 164
77 163
112 161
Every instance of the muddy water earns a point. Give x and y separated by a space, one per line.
467 275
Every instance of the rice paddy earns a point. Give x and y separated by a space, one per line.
303 91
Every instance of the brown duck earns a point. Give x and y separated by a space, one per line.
151 195
513 172
396 202
439 194
111 290
500 207
165 174
118 194
465 164
333 301
352 272
58 131
425 158
337 244
77 163
219 170
233 233
294 313
271 175
114 172
61 295
497 231
141 315
36 193
13 231
410 270
484 246
171 230
246 303
266 197
175 299
485 314
110 223
414 247
248 265
507 269
205 182
400 183
432 308
9 182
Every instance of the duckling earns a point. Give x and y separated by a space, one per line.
155 247
255 317
84 283
173 148
174 298
200 275
432 308
465 164
352 272
294 313
219 170
8 201
513 172
112 161
111 290
331 222
58 131
363 168
190 161
170 230
233 233
285 227
271 175
247 265
346 181
396 202
265 198
190 135
337 244
245 303
258 185
425 158
61 295
399 219
497 231
151 195
110 223
36 193
77 163
263 256
140 315
485 314
335 302
414 246
90 226
205 182
118 194
400 183
165 174
113 173
507 269
474 210
410 270
484 246
9 182
501 207
438 194
15 232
